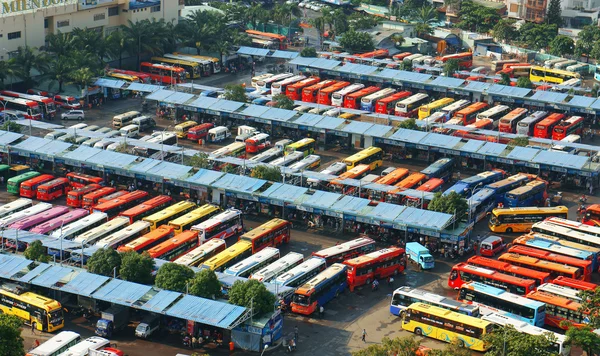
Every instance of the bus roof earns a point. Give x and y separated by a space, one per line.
310 286
225 256
263 229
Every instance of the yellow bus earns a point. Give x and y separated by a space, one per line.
125 77
445 325
216 62
547 75
305 145
44 314
428 109
230 256
192 70
372 156
182 129
521 219
194 217
348 116
170 213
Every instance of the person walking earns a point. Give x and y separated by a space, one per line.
194 342
364 335
321 311
33 328
296 333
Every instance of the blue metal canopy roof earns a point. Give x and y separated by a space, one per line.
253 51
523 153
52 148
423 218
160 95
350 205
277 114
479 87
254 110
378 130
320 199
472 146
51 276
284 54
284 192
386 212
505 90
595 105
561 160
356 127
110 83
147 88
412 77
161 301
81 153
144 166
551 97
324 63
240 184
10 266
121 292
205 177
387 73
203 102
112 159
169 170
330 123
492 149
358 69
438 140
6 138
33 273
85 284
405 135
31 144
226 105
580 101
303 61
206 311
308 119
447 82
179 98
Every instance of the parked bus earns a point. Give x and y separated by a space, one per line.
201 253
562 232
555 269
258 143
410 106
352 100
90 237
115 206
575 226
75 196
42 313
546 75
530 195
175 247
465 187
295 91
324 95
591 215
373 156
410 182
441 168
273 233
199 132
167 214
90 199
451 109
28 188
78 180
228 257
387 105
277 41
526 126
508 123
72 230
494 113
367 102
404 296
192 69
287 159
123 236
216 62
281 86
39 218
305 145
198 215
278 267
15 206
302 273
221 226
319 290
46 104
261 259
149 240
574 283
53 189
521 272
548 244
265 84
561 291
87 345
572 125
463 273
56 345
503 186
465 59
143 77
578 261
204 66
236 149
58 222
30 109
268 155
393 177
469 114
338 98
13 184
435 106
375 265
522 219
308 163
560 309
346 250
432 185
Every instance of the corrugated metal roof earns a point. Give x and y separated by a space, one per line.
160 95
85 284
561 160
321 200
110 83
358 69
277 114
144 166
121 292
423 218
112 159
330 123
31 144
51 276
284 192
350 205
438 140
386 212
504 90
492 149
356 127
53 148
10 267
170 170
38 124
81 153
34 273
472 146
308 119
595 105
580 101
406 135
412 77
240 184
523 153
161 301
254 110
205 177
226 105
6 138
303 61
551 97
324 63
203 102
378 130
206 311
387 73
179 98
447 82
479 87
252 51
284 54
147 88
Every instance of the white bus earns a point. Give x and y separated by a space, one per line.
436 117
202 253
551 62
337 98
335 169
572 138
525 126
278 267
70 230
412 57
575 225
279 87
288 159
454 107
493 114
421 60
268 155
309 162
573 82
265 84
411 104
368 102
32 210
15 206
561 291
564 64
125 235
221 226
97 233
565 233
84 347
259 78
302 273
246 267
57 344
403 297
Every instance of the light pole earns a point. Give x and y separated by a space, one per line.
115 272
264 349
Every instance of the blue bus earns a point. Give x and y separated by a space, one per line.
505 185
481 203
531 194
597 73
495 300
441 168
403 297
302 273
465 186
320 290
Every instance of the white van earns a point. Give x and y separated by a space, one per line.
92 141
54 135
218 134
78 126
102 144
144 122
104 130
113 146
124 119
130 131
333 112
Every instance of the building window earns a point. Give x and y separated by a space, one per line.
155 8
46 23
113 11
63 23
14 35
98 17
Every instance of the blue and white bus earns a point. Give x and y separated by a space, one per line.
302 273
367 103
261 259
495 300
465 186
597 73
537 241
403 297
320 289
278 267
531 194
503 186
481 203
441 168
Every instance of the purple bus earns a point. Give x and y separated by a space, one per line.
59 221
40 218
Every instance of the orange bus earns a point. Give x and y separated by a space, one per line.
163 73
515 271
584 265
432 185
544 128
295 91
146 208
53 189
111 196
355 173
324 95
280 41
574 283
352 100
465 59
393 177
91 199
555 269
175 247
572 125
400 56
468 115
75 196
508 123
310 93
78 180
28 188
149 240
387 105
378 53
375 265
411 181
270 234
113 207
464 273
560 309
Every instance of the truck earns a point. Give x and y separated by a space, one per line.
149 325
244 133
420 255
112 320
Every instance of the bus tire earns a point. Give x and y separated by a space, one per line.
509 230
461 343
418 331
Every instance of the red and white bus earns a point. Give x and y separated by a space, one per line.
508 123
144 77
279 41
572 125
149 240
310 93
387 105
175 247
538 276
295 91
464 273
273 233
47 104
559 309
91 199
584 265
400 56
221 226
344 251
378 53
258 143
375 265
199 132
162 73
324 95
113 207
544 128
338 98
146 208
30 109
352 100
574 283
465 59
53 189
280 87
432 185
75 196
410 106
78 180
111 196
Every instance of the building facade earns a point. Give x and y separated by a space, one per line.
28 22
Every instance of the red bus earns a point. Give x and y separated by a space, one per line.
280 41
91 199
147 208
584 265
560 309
144 77
324 95
508 123
53 189
352 100
270 234
538 276
555 269
162 73
375 265
113 207
75 196
175 247
572 125
257 143
432 185
574 283
149 240
388 105
378 53
463 273
309 94
346 250
544 128
78 180
28 188
30 109
400 56
465 59
111 196
295 91
468 115
47 104
199 132
411 181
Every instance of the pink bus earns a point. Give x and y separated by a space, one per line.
59 221
40 218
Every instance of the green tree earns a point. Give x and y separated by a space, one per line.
173 277
452 203
27 60
205 284
82 77
508 341
283 102
477 18
199 160
553 15
36 252
505 30
235 93
520 141
584 338
230 168
308 52
104 261
398 39
453 349
562 45
427 15
252 294
587 39
319 24
405 346
410 124
354 41
59 71
590 301
272 174
356 20
524 82
60 43
505 79
450 67
11 126
136 267
10 334
122 148
8 69
118 44
141 37
537 36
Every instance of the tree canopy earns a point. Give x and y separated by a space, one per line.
199 160
174 277
355 41
10 334
524 82
36 252
590 301
585 338
104 261
554 13
205 284
504 30
136 267
252 294
283 102
520 141
562 45
269 173
410 124
308 52
450 67
235 93
537 36
452 203
477 18
509 341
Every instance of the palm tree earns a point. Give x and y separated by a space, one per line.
118 44
27 60
8 68
398 39
426 15
169 36
257 14
59 70
60 43
142 38
82 77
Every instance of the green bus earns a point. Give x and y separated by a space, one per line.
15 182
5 171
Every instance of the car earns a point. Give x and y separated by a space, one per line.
73 115
11 115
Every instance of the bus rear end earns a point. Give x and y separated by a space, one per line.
75 197
545 127
352 100
53 189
